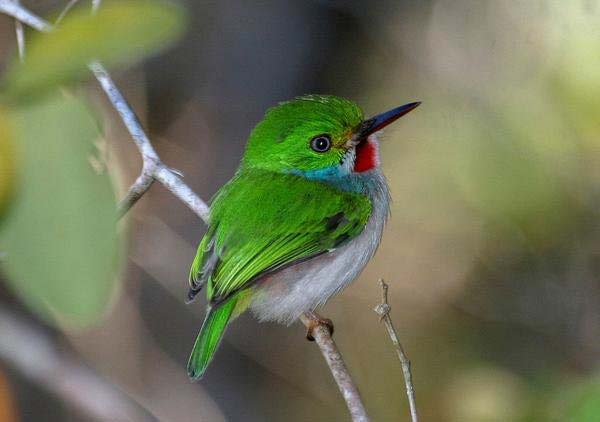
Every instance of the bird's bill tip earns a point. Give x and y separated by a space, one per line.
382 120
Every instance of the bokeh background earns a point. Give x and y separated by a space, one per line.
492 252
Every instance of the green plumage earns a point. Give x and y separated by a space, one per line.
269 216
280 141
209 338
278 219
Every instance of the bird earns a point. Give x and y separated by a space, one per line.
298 221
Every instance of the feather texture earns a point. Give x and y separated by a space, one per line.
210 336
279 219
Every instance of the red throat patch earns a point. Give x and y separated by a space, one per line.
367 156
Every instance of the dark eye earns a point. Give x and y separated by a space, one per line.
321 143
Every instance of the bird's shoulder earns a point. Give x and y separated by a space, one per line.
266 198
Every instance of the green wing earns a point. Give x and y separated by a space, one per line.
263 221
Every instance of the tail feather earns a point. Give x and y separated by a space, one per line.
209 338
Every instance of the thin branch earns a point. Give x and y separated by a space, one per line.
136 191
383 309
322 337
172 181
35 354
12 8
66 10
124 109
152 167
20 34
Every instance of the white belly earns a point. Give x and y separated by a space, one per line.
285 295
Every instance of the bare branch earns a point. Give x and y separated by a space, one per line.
383 309
322 337
64 12
35 354
14 9
20 34
152 167
124 109
173 182
136 191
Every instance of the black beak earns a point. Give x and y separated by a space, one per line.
380 121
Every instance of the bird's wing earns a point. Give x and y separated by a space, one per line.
263 221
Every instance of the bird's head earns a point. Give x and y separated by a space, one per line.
319 136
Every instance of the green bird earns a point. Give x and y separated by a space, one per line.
299 220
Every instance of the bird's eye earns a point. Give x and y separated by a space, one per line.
321 143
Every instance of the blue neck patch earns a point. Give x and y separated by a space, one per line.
338 177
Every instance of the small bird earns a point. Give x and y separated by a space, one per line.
298 221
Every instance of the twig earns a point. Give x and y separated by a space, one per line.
136 190
20 34
336 365
152 168
383 309
35 354
12 8
64 12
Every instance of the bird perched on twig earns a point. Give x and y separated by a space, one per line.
299 220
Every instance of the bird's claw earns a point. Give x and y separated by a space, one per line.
317 322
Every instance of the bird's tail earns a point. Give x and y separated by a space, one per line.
209 337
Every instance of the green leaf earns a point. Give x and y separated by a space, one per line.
121 33
59 237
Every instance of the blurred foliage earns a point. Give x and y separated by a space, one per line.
60 240
512 177
7 161
581 403
523 96
502 182
60 234
494 395
120 33
573 34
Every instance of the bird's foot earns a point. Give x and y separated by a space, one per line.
317 321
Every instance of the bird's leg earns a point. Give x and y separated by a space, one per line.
315 321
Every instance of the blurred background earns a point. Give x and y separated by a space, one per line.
492 252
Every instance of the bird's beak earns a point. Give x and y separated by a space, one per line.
380 121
